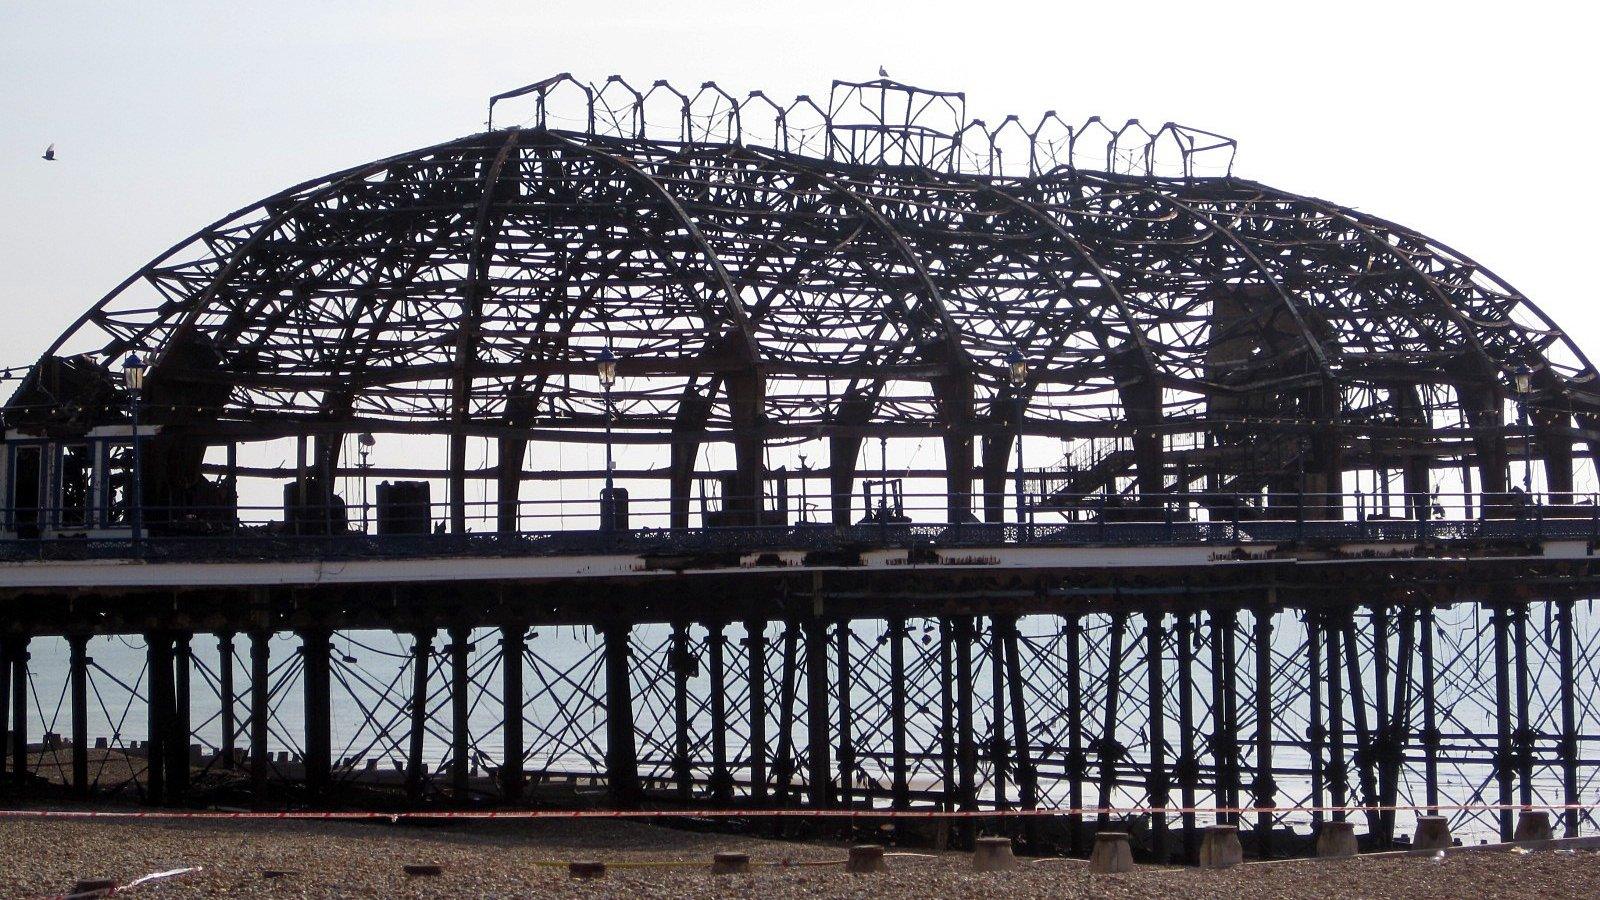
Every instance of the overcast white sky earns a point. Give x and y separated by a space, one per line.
1472 125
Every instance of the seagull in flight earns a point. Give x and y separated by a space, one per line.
49 153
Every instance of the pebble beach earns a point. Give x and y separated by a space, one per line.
45 858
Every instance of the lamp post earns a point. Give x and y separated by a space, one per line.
133 369
365 443
1522 382
607 369
805 472
1019 378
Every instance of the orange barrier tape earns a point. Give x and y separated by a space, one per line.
469 815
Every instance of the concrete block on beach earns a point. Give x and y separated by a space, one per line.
1433 833
1220 848
586 869
865 859
1533 826
1112 853
728 862
993 854
1337 840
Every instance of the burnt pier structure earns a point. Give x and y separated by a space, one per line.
678 448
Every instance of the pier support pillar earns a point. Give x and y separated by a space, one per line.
5 707
818 775
680 663
460 709
158 650
1265 789
847 750
1570 795
622 760
260 711
716 645
316 678
512 646
225 689
1156 780
756 665
900 777
421 658
19 707
1504 762
78 662
176 745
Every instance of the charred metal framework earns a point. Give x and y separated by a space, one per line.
1231 369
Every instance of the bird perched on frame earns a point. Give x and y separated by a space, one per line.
882 72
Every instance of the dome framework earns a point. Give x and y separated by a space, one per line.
768 276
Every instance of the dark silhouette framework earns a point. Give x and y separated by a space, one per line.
1223 361
768 275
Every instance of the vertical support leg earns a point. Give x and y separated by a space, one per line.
1108 748
1265 789
1156 776
756 651
317 678
900 790
947 714
847 750
622 759
679 662
1364 756
783 764
513 645
19 708
998 757
460 708
1027 783
1505 772
260 711
1383 736
78 645
819 770
1316 732
1430 712
721 781
1220 724
158 650
966 745
6 643
1077 764
1232 773
177 744
1188 763
1569 717
1523 739
229 712
421 656
1338 777
1398 732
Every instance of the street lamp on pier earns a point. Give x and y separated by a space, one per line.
607 370
133 371
1018 371
1522 382
364 444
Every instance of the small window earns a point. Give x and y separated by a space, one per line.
119 483
72 500
25 489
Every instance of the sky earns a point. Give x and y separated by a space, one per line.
1472 124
